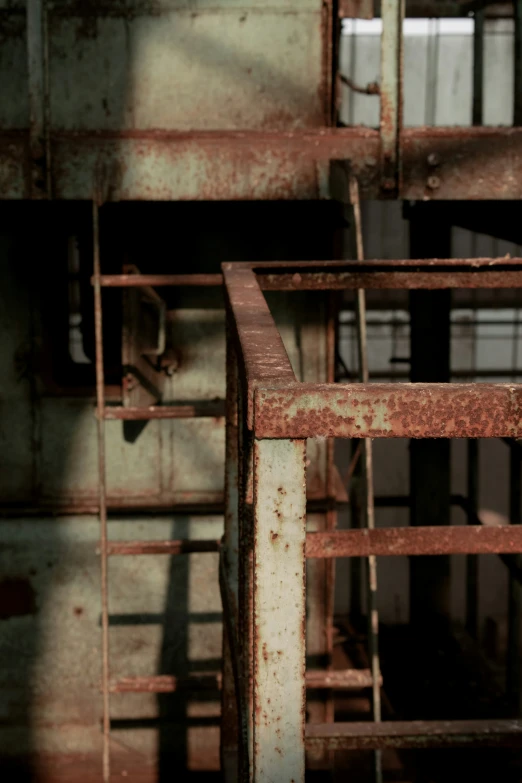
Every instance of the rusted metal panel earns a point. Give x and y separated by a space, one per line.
372 274
455 540
416 734
50 664
389 410
237 67
279 634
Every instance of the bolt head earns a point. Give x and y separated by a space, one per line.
433 183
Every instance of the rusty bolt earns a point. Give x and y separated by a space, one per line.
433 183
433 159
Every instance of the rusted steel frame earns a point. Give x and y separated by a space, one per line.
460 152
161 547
401 410
262 355
279 610
159 281
392 14
399 541
333 275
367 481
471 509
383 275
322 542
210 409
102 492
347 679
415 734
37 74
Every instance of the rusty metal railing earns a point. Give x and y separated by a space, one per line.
269 417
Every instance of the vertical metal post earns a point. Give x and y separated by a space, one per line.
279 610
478 67
392 13
514 663
229 704
517 80
102 489
472 560
37 69
245 588
367 484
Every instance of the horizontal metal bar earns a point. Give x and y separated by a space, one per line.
413 734
438 163
263 354
167 683
393 410
180 547
455 540
472 539
409 274
334 275
204 409
157 281
345 679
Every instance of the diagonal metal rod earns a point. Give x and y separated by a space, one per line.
368 495
102 489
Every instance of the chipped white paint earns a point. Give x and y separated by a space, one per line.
279 611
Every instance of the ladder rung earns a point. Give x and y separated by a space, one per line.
179 547
347 679
155 281
203 410
166 683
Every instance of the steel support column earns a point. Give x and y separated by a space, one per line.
279 611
